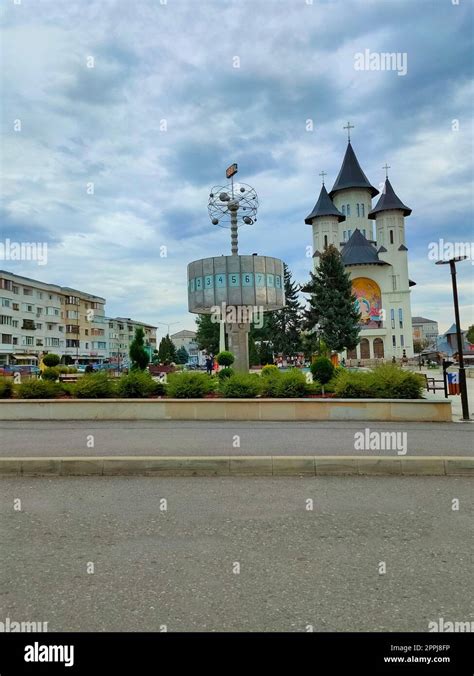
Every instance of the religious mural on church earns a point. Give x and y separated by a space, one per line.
368 301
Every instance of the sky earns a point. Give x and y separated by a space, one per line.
118 116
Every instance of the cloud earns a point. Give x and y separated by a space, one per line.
152 126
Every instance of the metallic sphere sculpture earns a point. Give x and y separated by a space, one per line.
225 199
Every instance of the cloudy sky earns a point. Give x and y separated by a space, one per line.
179 89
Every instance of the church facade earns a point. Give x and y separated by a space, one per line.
373 248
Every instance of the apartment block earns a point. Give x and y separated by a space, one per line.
121 331
36 318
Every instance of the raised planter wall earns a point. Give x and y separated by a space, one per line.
432 410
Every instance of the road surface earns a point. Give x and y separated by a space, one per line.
178 568
223 438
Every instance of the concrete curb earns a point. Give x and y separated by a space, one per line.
240 465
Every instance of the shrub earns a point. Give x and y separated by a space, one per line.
94 386
292 384
138 384
269 382
39 389
226 372
225 358
6 388
189 385
241 386
51 373
384 382
51 359
269 370
322 369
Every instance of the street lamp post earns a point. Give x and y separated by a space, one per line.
462 373
168 324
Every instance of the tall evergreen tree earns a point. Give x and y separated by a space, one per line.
138 355
332 303
207 334
166 351
284 326
182 356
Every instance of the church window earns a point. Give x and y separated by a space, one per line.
394 282
391 236
358 209
348 209
344 235
394 341
363 231
362 210
400 317
402 341
349 233
392 317
325 241
344 209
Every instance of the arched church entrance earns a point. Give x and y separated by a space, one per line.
378 348
364 348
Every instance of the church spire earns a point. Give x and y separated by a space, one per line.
324 207
351 174
389 200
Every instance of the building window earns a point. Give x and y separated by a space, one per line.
72 343
362 210
349 233
16 289
28 340
343 209
402 341
400 318
394 341
5 319
392 317
344 235
27 292
348 209
358 209
6 284
6 339
391 236
39 326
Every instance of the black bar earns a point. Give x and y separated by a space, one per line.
322 653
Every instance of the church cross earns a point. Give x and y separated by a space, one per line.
323 174
349 127
386 167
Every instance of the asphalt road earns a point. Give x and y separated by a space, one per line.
298 568
219 438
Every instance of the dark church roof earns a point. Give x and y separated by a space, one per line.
389 200
351 175
324 207
359 251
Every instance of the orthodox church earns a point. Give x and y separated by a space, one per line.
373 248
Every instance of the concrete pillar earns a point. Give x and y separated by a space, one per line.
238 344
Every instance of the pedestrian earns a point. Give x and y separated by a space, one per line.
209 364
